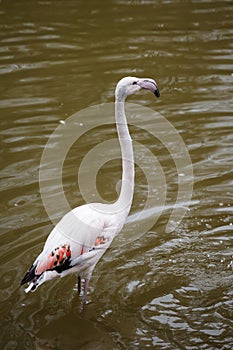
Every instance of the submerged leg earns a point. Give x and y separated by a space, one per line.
86 284
79 285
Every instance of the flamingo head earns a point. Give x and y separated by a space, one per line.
130 85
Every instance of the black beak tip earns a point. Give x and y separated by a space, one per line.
157 93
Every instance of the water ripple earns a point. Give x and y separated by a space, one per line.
162 291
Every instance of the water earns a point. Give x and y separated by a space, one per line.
164 290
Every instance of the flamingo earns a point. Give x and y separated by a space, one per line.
81 237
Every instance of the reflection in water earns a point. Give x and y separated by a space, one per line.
164 291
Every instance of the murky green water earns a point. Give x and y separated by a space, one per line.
165 290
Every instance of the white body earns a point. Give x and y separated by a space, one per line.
79 240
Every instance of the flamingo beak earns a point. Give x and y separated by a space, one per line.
149 84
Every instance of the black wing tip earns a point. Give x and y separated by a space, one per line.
30 275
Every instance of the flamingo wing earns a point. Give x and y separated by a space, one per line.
58 259
75 244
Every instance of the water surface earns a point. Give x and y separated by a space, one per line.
164 290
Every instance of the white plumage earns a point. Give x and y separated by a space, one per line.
79 240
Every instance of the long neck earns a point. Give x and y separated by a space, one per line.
127 186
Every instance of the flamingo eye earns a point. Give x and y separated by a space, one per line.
134 83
